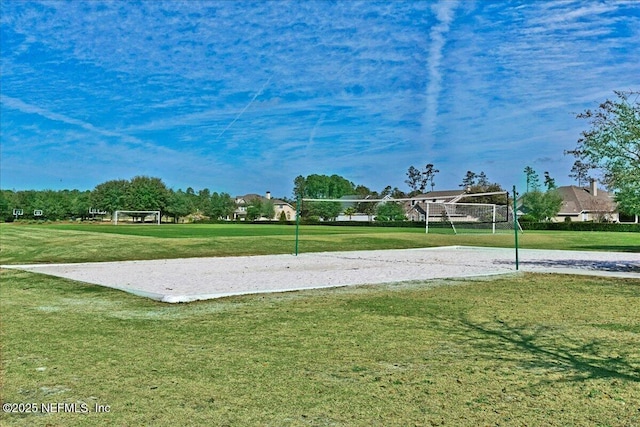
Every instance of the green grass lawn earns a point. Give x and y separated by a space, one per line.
84 243
518 350
523 349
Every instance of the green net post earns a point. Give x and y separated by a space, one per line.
515 224
299 202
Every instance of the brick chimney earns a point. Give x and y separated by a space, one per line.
593 187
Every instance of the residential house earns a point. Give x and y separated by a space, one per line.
587 204
280 206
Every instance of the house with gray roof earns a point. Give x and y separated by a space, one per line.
587 204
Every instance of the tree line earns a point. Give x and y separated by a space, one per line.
150 193
139 193
52 204
336 187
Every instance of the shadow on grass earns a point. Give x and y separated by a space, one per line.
593 265
581 361
609 248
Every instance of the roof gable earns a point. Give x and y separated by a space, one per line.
578 199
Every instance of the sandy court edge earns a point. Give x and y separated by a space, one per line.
191 279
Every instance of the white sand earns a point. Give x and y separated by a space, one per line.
190 279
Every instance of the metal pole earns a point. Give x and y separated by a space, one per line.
493 228
299 201
515 225
427 220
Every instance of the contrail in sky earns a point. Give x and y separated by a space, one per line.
312 135
245 108
18 104
444 13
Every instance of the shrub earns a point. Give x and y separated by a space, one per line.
579 226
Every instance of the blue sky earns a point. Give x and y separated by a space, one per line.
243 97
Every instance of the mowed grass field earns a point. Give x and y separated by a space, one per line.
103 242
517 350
